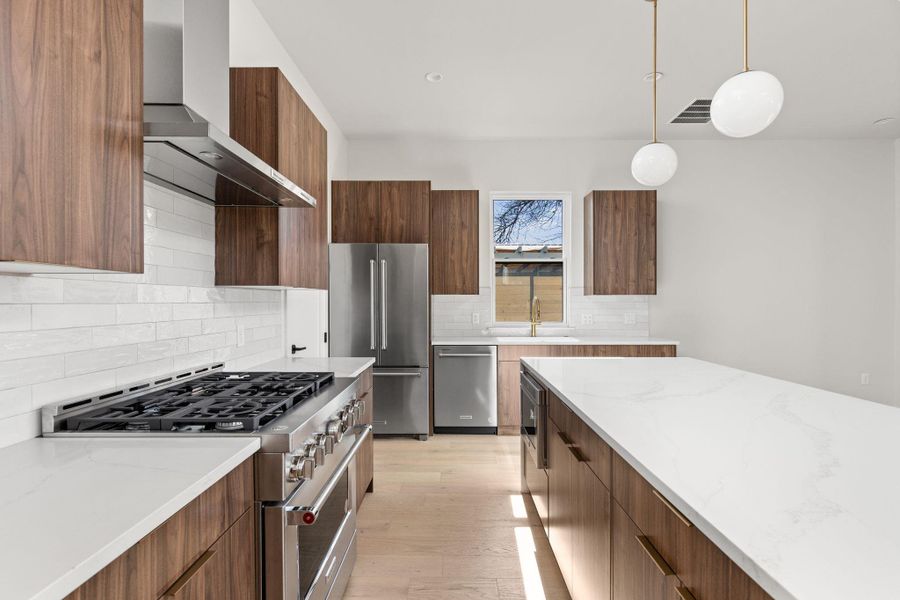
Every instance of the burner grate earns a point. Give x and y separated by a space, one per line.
219 402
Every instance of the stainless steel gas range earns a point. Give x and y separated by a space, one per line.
305 470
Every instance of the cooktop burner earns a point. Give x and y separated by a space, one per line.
219 402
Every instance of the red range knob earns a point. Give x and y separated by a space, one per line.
309 518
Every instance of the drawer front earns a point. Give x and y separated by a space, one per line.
597 453
153 565
560 414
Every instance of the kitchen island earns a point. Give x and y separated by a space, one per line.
794 484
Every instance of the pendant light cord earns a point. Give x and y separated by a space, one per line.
655 71
746 37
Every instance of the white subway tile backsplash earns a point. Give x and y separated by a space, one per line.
53 316
118 335
24 289
143 313
63 337
79 363
15 317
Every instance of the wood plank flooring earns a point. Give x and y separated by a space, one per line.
447 521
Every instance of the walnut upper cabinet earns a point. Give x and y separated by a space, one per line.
454 242
380 212
620 243
71 136
265 246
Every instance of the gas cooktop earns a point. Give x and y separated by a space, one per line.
220 402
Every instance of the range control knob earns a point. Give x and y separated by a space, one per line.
301 467
347 417
315 452
335 429
326 442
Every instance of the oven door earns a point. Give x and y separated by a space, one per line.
309 541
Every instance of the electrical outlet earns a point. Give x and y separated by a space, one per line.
865 378
630 318
587 319
241 335
476 318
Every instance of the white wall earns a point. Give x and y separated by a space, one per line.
776 257
70 335
897 270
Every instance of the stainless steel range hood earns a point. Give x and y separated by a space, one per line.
186 113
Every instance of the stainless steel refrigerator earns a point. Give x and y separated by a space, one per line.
378 306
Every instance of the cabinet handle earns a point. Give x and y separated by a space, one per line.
565 438
182 581
684 593
654 555
576 452
672 508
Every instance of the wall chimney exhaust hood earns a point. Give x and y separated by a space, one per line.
186 93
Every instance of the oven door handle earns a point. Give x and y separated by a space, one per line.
307 515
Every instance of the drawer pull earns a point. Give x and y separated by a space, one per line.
182 581
577 454
684 593
654 555
565 438
672 508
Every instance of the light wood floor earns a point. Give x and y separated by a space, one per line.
446 521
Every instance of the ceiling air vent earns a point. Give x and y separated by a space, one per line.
696 112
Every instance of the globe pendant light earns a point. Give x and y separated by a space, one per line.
656 163
748 102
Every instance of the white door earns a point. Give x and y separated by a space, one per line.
306 321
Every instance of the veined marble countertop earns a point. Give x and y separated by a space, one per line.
341 367
797 485
70 506
551 341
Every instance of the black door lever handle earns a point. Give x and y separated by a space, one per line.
295 348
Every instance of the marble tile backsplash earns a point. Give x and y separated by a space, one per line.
63 336
612 316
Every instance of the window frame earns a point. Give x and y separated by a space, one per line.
566 198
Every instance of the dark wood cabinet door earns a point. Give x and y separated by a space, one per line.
355 212
380 212
286 247
636 573
71 134
591 565
561 504
365 458
620 242
454 242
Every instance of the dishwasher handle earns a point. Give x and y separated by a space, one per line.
463 355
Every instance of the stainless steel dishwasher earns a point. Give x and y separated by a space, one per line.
465 389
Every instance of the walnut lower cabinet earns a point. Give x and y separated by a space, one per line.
205 551
616 537
365 457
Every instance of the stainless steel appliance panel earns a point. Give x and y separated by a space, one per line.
353 313
402 401
465 387
403 303
534 420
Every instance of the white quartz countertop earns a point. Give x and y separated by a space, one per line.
797 485
341 367
70 506
551 341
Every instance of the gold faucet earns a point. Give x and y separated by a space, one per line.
535 315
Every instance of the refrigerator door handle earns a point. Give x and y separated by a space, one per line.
372 304
383 304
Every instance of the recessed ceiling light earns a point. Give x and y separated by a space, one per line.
434 77
885 121
649 76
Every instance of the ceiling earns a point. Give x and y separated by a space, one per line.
574 68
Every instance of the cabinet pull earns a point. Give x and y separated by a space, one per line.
672 508
684 593
182 581
565 438
576 452
654 555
